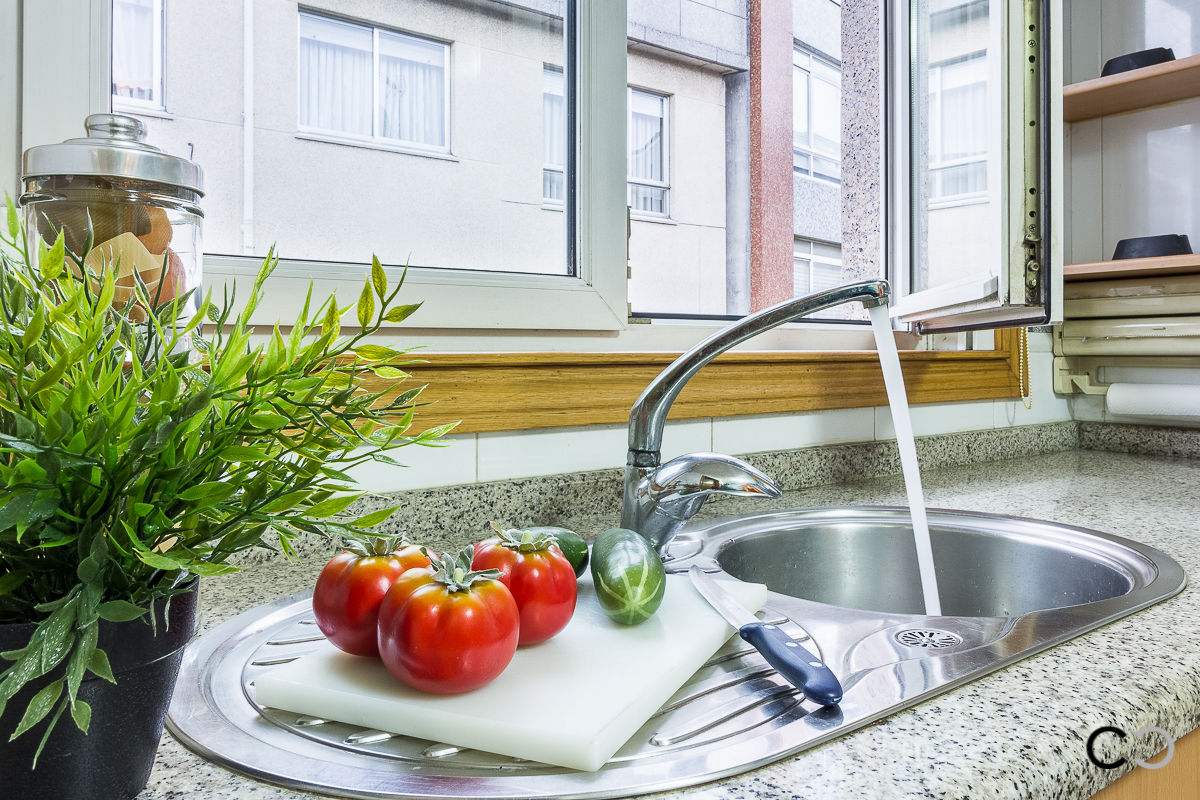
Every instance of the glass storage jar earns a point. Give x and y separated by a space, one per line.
119 204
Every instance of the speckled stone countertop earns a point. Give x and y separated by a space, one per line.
1018 733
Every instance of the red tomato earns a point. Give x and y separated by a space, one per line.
445 629
351 587
540 577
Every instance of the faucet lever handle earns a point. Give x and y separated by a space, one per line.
697 474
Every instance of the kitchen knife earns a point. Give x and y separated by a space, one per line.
801 668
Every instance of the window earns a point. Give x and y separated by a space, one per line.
816 266
958 128
648 182
816 117
554 136
365 82
137 55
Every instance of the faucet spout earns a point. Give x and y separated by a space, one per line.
649 412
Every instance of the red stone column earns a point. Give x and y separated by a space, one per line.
771 225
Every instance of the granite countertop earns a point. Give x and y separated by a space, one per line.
1017 733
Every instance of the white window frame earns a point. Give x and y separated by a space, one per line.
138 106
802 60
586 313
665 183
376 139
978 302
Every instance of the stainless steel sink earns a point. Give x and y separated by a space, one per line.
986 566
844 580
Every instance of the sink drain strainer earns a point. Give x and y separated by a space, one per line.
929 638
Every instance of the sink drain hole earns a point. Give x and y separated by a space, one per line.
930 638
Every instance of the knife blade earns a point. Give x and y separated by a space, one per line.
791 660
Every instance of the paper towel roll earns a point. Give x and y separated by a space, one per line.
1154 399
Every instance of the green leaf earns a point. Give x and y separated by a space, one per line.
366 306
240 452
378 277
285 502
81 712
158 560
374 352
375 517
209 493
98 665
268 422
41 705
52 263
120 611
334 505
208 569
401 313
390 373
14 225
11 580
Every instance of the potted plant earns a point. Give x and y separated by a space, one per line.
139 452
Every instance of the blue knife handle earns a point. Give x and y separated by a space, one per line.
802 669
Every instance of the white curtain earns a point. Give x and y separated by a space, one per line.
133 49
335 87
645 147
412 96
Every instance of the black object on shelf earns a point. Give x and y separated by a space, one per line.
1168 244
1142 58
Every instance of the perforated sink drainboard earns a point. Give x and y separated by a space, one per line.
733 715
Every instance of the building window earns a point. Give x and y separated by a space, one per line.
958 136
816 117
816 266
137 54
648 173
364 82
554 136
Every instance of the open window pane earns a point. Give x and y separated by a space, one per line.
137 54
422 133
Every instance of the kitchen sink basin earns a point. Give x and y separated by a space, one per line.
842 580
986 566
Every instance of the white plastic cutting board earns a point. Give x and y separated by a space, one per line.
571 701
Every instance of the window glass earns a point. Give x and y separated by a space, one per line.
816 117
419 132
554 136
817 266
137 54
337 89
647 153
956 220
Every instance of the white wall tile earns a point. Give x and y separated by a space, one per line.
425 467
682 436
522 454
930 419
759 433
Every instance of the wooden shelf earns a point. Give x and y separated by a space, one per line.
1129 91
1133 268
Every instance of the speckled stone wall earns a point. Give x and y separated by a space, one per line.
862 135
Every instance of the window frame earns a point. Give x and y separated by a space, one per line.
601 383
376 139
810 150
136 105
630 180
985 302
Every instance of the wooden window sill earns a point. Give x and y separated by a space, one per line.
519 391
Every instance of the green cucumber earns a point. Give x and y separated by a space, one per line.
629 576
572 545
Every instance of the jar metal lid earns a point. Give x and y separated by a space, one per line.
112 148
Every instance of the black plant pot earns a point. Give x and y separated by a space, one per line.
114 759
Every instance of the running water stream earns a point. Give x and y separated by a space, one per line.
889 360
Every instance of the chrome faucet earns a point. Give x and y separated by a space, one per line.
660 498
